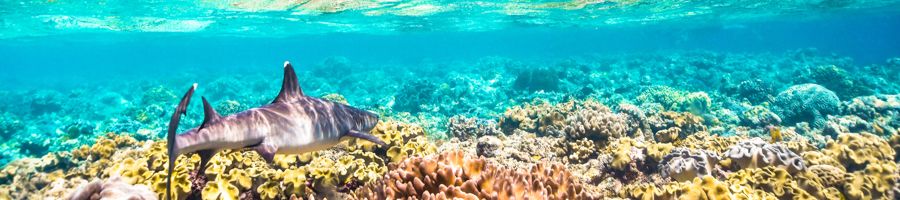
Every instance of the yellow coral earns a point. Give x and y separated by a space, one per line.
657 151
621 150
415 147
771 179
856 151
220 188
705 187
875 182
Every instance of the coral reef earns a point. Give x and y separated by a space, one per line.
688 125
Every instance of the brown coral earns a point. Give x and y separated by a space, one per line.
454 175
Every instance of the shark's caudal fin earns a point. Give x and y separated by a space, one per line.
290 89
366 136
170 136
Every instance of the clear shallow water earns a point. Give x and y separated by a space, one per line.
73 71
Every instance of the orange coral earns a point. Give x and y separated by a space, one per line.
454 175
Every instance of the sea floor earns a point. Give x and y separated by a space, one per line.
801 124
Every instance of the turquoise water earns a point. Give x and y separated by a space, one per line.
73 71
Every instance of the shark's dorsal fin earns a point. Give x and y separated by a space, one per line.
209 113
290 89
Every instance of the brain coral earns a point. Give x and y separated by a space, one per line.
855 151
755 153
682 164
454 175
806 103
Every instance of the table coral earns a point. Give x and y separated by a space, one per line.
756 153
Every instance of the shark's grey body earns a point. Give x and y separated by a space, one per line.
293 123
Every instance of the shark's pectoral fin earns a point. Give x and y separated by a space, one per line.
266 151
205 155
366 136
290 89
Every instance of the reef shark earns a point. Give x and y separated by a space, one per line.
292 124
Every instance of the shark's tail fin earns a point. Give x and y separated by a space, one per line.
170 137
